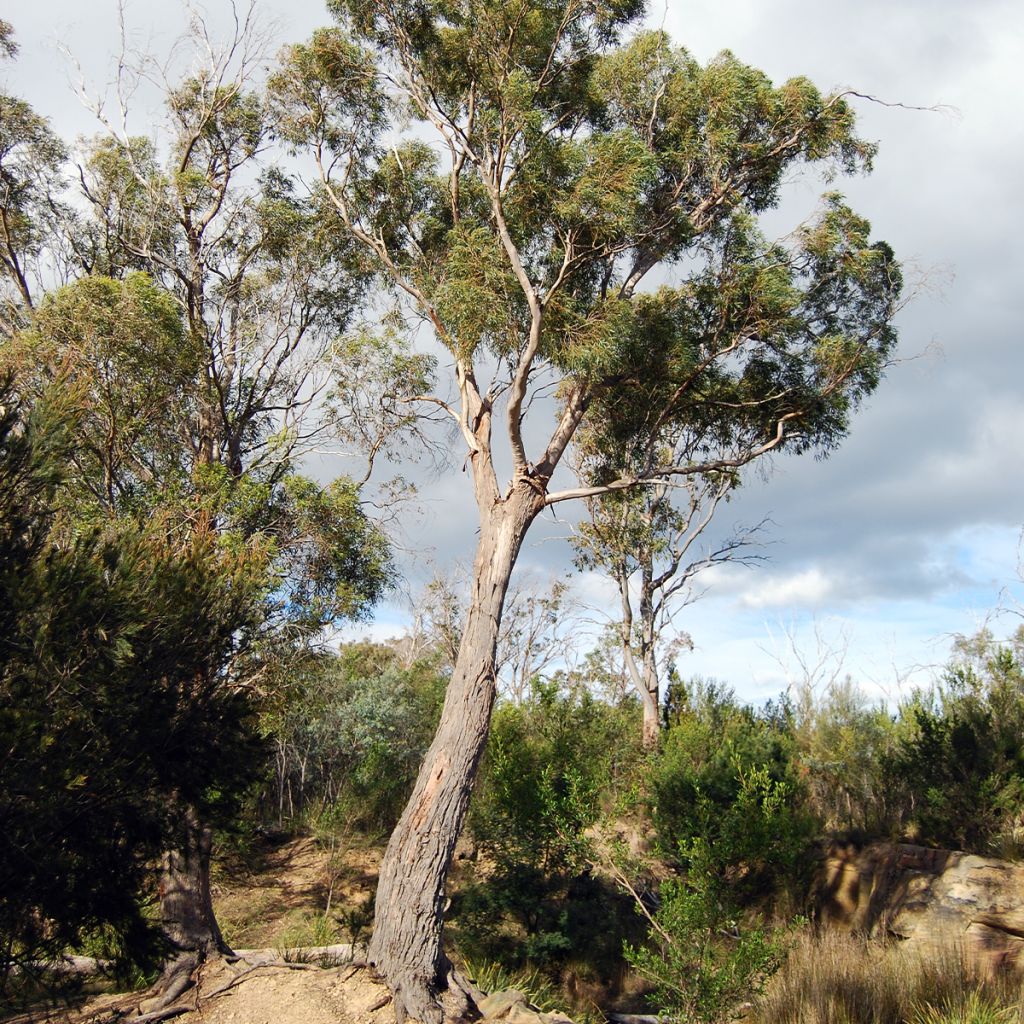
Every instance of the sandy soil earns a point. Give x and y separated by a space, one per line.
294 888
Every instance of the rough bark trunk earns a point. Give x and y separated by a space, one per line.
406 945
186 906
186 911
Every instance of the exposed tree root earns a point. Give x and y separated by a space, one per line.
416 998
165 1014
176 978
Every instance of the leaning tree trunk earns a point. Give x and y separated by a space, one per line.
406 945
186 910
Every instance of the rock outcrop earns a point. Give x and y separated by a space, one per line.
513 1007
932 899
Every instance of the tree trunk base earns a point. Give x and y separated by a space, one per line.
418 999
177 977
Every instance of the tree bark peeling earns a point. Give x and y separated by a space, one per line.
418 856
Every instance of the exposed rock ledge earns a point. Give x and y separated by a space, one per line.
932 899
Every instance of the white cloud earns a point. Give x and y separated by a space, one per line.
802 589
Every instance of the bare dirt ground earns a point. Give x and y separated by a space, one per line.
236 994
289 894
298 893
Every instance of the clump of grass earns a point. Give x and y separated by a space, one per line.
308 930
490 976
841 979
976 1009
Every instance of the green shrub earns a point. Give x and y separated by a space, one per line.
549 765
960 759
844 744
725 778
702 959
349 732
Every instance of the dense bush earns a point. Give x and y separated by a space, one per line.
113 655
845 745
726 777
552 764
960 761
702 960
349 731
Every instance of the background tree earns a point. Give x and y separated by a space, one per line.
537 627
31 164
573 165
131 371
643 539
201 336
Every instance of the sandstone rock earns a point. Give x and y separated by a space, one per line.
522 1014
932 899
498 1005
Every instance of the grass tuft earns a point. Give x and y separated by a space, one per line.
842 979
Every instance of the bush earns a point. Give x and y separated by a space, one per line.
702 960
550 763
725 778
349 732
844 745
702 956
960 760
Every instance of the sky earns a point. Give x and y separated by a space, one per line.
910 533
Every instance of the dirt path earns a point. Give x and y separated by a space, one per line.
299 893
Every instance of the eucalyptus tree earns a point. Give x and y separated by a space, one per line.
262 292
32 158
564 167
646 540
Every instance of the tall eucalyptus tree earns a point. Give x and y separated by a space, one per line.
203 347
549 168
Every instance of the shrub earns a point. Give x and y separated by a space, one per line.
701 958
960 760
349 732
549 764
844 744
726 778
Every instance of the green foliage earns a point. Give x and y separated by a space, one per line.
32 159
116 658
725 796
701 960
350 731
845 745
550 764
960 759
119 349
578 164
725 792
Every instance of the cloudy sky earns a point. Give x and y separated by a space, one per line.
909 533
